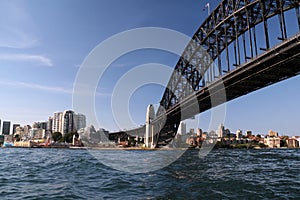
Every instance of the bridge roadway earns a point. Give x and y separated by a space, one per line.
276 64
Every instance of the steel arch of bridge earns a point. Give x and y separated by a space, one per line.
228 24
208 61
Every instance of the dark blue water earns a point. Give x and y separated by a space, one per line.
223 174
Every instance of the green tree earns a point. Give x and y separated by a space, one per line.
68 137
17 137
56 136
262 145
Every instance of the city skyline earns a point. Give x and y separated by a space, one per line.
80 121
64 122
43 44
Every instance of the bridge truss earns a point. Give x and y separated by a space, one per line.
234 35
238 49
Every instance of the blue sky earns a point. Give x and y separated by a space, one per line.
43 43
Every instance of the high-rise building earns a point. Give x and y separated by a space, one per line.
6 128
26 129
50 124
0 124
37 133
80 121
68 122
192 131
221 131
182 128
199 132
41 125
14 128
238 134
57 122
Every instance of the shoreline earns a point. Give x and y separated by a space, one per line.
129 148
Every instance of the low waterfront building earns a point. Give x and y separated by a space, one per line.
272 133
8 138
272 142
248 133
19 131
37 133
292 143
23 144
90 136
298 139
192 141
76 141
14 128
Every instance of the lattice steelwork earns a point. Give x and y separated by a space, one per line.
207 57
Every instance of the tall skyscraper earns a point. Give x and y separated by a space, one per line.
14 128
57 122
68 122
182 128
41 125
50 124
6 128
221 131
26 129
0 124
238 134
80 120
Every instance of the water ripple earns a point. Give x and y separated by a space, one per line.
223 174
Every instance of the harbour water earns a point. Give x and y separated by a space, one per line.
222 174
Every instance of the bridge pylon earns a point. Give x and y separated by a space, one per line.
149 133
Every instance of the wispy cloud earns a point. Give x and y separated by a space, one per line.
37 59
52 89
12 37
86 89
36 86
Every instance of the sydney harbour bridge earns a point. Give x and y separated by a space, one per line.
242 46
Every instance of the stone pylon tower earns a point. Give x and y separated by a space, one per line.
150 115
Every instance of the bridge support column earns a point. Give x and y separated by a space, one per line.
149 135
